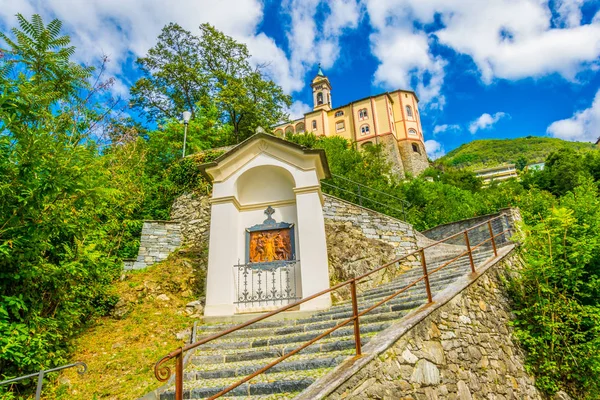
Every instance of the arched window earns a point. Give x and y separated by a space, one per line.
416 148
339 126
278 132
362 114
339 113
366 144
364 130
411 131
319 98
289 129
314 125
409 111
300 127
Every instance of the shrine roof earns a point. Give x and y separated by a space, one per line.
271 138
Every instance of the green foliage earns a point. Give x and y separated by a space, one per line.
57 204
556 297
491 152
186 72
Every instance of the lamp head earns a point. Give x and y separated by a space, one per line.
186 117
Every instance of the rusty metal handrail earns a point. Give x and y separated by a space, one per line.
163 372
81 368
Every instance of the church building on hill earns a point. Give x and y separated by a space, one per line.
391 119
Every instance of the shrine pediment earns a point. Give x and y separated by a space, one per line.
263 144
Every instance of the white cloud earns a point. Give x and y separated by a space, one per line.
445 128
125 30
434 149
310 43
298 109
583 126
403 52
506 39
485 121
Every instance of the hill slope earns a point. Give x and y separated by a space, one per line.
491 152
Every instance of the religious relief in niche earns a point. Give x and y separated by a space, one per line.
270 241
270 245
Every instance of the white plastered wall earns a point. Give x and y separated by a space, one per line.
239 201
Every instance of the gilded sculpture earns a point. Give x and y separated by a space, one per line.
270 245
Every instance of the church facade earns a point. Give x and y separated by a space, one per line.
391 119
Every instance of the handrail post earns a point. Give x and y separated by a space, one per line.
470 252
355 316
426 275
359 195
492 237
179 376
40 382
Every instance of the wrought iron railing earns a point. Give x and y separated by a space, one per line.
81 368
266 284
163 372
357 193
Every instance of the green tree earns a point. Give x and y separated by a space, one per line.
521 163
183 71
57 205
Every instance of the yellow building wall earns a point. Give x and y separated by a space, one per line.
386 115
346 118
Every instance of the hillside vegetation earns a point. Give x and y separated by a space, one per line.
492 152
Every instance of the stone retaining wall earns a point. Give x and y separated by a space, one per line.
158 240
462 350
192 211
373 225
477 235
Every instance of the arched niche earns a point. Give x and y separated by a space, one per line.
265 183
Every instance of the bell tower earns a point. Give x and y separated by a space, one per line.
321 91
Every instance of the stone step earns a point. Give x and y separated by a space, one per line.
304 327
227 346
324 345
306 362
263 384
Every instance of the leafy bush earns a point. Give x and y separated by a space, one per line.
556 298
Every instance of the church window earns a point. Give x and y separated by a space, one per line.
362 114
364 130
319 98
339 113
412 131
409 111
415 148
339 126
314 125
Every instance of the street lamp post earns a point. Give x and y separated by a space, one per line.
186 120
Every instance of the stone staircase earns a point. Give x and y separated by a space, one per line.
224 361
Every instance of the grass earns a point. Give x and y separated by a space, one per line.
120 353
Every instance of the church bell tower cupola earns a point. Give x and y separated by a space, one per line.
321 91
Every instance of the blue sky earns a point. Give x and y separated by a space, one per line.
482 69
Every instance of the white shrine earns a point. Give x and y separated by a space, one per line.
267 233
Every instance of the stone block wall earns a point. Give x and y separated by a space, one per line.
158 240
462 350
373 225
508 218
414 162
392 153
192 211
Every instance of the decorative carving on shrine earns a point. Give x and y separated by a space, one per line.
270 241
